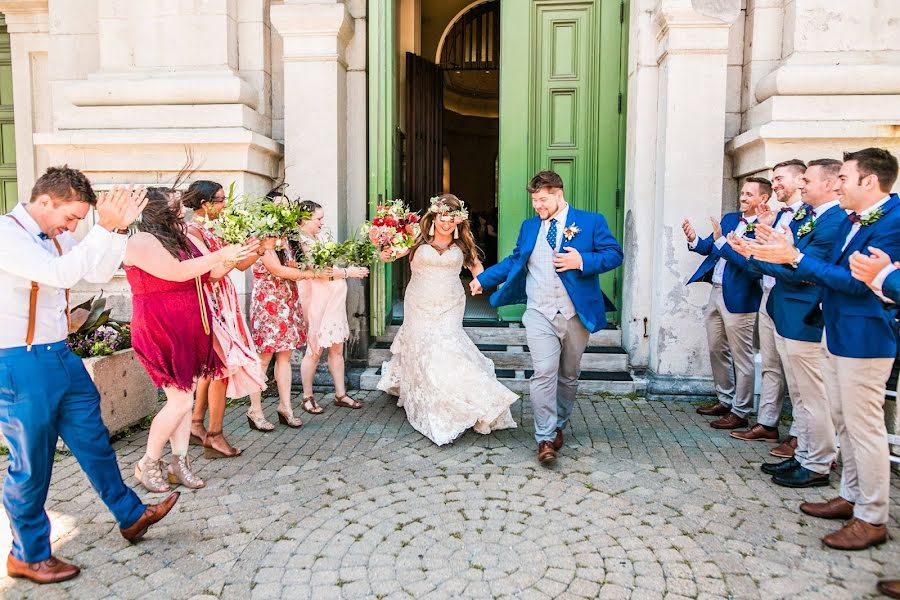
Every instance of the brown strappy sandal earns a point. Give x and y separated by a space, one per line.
209 451
195 439
310 405
289 420
347 402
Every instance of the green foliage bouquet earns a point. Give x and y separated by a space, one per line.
260 217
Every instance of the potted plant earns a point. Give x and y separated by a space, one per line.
104 344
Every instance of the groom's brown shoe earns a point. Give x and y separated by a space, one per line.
546 453
152 514
558 442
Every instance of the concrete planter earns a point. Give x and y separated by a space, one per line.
126 393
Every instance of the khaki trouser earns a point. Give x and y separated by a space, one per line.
730 337
855 390
771 396
803 364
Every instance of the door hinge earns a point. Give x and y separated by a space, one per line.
620 103
618 199
622 12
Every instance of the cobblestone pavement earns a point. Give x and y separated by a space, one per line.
646 501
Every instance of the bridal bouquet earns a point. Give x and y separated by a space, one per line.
394 228
258 217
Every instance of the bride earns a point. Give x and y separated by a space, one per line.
443 382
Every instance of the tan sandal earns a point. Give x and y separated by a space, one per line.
149 473
310 405
347 402
180 472
210 451
289 420
259 423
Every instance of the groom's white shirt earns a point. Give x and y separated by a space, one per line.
545 290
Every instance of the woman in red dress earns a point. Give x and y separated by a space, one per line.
170 327
277 326
243 375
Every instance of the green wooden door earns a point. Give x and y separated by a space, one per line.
382 81
560 109
8 190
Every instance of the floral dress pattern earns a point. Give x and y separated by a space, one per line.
276 318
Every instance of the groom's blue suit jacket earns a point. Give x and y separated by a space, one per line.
598 248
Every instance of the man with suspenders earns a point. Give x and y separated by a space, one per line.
45 391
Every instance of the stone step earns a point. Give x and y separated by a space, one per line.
514 335
595 358
591 382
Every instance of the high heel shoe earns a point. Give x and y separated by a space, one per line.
209 451
259 423
149 473
289 420
179 471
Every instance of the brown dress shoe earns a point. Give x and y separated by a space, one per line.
51 570
836 508
889 587
856 535
757 433
546 453
558 442
729 421
152 514
785 449
716 410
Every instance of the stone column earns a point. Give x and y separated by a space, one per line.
691 54
315 38
27 22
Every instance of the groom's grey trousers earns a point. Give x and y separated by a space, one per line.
556 347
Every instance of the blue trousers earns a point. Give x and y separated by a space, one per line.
45 394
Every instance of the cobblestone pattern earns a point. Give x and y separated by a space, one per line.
646 501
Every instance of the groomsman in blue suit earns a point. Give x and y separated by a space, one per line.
554 271
786 184
799 344
730 313
860 343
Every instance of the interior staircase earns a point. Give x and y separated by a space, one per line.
604 365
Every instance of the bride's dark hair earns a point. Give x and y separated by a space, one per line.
466 240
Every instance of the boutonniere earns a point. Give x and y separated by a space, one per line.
751 227
571 231
871 218
801 214
805 228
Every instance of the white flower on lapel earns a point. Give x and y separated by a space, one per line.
571 231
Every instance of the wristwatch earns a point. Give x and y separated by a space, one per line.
122 231
796 262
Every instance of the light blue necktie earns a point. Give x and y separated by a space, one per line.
551 234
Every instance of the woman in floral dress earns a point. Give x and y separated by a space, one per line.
277 327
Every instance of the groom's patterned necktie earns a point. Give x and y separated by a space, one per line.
551 234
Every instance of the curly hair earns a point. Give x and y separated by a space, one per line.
161 220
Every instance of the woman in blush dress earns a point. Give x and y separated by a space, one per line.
170 327
324 304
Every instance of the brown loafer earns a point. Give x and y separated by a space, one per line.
836 508
51 570
785 449
558 442
889 587
729 421
856 535
716 410
757 433
152 514
546 452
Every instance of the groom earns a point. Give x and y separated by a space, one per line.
554 269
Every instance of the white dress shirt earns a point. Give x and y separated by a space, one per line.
824 208
783 218
25 257
856 226
719 270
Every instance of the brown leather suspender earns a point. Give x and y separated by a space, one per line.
32 299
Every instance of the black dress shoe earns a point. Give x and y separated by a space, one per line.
779 467
801 477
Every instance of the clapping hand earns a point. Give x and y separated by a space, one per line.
119 207
688 229
716 227
765 215
739 244
773 246
475 287
866 268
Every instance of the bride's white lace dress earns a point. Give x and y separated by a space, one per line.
443 382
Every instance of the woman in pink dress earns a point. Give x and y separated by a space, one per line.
170 327
243 375
277 327
324 302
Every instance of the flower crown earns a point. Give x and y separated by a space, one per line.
440 208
